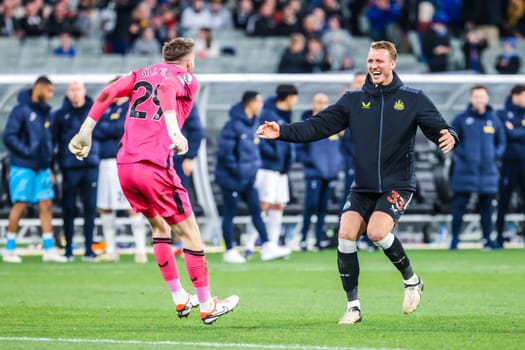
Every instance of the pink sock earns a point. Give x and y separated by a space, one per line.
168 267
196 266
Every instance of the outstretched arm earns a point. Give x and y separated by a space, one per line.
80 144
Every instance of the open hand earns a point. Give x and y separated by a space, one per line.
269 130
446 141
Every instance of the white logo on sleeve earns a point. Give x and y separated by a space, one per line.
32 117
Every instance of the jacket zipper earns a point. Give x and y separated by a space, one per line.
380 143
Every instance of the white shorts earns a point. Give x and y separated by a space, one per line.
109 192
272 186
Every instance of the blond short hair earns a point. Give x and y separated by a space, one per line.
385 45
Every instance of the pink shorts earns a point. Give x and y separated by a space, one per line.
153 190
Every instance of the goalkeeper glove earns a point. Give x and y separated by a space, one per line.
80 144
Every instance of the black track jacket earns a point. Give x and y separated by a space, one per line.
383 121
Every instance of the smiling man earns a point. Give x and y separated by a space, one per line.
383 118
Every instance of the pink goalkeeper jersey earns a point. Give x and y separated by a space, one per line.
145 133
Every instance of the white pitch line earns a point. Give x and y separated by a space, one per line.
180 343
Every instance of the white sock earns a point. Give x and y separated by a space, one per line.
346 246
386 242
180 297
48 241
109 229
273 225
353 303
139 233
207 306
412 280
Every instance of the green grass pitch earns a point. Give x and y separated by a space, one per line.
473 300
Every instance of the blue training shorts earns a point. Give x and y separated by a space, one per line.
28 185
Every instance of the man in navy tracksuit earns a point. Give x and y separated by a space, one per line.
383 118
184 164
238 160
321 162
27 137
272 179
475 170
513 160
77 176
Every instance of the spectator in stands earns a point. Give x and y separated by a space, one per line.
513 160
311 26
78 177
347 63
65 47
316 55
8 23
436 44
485 15
195 16
473 47
61 19
263 23
382 15
238 160
475 171
509 62
337 41
220 17
88 22
356 8
290 22
140 20
165 26
27 138
513 20
118 37
332 8
241 13
33 24
293 59
320 171
110 197
147 44
205 45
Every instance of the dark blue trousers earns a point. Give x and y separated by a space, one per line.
81 181
459 208
512 176
230 205
317 194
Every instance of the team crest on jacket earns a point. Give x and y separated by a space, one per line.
187 78
365 105
399 105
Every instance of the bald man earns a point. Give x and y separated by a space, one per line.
78 177
320 171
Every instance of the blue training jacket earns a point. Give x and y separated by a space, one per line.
482 143
514 114
276 155
238 157
27 134
321 159
66 123
270 105
110 128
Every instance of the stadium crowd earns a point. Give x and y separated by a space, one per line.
320 31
